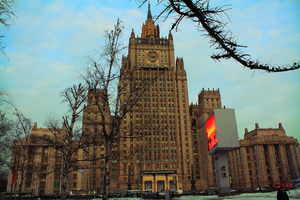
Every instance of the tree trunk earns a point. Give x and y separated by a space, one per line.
21 182
13 176
64 178
64 185
12 184
107 171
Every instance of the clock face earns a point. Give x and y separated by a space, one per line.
152 56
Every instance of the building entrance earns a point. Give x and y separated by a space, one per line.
160 186
148 185
172 186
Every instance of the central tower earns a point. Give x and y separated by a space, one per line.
155 145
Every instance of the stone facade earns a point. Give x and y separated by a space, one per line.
266 157
92 131
41 164
160 142
204 164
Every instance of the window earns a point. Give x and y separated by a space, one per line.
44 167
42 185
31 158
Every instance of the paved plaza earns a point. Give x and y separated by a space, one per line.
293 194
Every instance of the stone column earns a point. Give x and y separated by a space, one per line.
261 164
272 164
295 162
283 162
154 184
245 168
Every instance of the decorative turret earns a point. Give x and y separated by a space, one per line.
170 36
132 38
132 34
34 126
179 64
246 132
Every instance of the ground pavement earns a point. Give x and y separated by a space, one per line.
293 194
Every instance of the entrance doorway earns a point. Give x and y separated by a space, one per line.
160 186
148 185
172 186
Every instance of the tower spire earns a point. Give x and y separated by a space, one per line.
149 12
149 28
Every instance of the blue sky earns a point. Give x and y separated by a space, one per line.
48 43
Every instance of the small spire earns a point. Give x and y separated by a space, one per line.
132 34
149 12
170 35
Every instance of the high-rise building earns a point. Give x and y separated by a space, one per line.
157 133
205 174
93 134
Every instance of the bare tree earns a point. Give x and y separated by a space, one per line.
68 136
101 81
115 94
6 14
5 127
210 21
21 131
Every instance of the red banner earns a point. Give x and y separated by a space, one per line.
15 176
